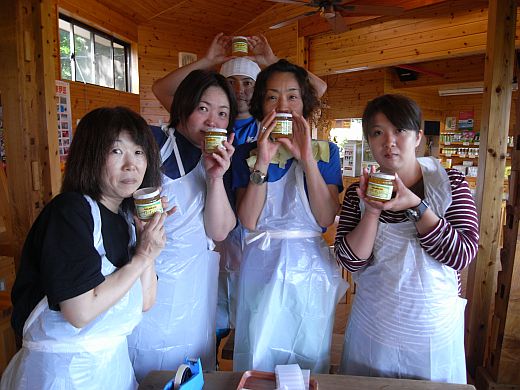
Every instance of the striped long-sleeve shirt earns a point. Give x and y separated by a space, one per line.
453 242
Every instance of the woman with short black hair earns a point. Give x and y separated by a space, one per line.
182 323
407 319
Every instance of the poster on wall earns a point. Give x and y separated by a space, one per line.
64 117
466 120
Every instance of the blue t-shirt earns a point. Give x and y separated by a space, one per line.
246 131
331 171
190 154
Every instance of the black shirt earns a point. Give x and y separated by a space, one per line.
59 259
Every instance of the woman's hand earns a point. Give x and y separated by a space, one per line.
404 197
267 148
165 204
151 237
218 162
300 144
371 206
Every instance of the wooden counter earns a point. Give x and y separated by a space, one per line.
225 380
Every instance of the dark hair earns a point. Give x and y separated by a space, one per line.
401 111
94 136
190 91
308 93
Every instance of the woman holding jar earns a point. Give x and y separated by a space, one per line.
407 319
182 323
84 278
289 283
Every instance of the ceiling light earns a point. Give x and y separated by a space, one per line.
468 90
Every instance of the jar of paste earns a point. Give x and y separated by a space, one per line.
283 126
214 139
147 202
380 186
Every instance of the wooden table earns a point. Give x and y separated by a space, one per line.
226 380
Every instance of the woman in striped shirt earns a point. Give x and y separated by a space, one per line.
407 319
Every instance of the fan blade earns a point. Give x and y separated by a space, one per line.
371 9
337 23
301 2
291 20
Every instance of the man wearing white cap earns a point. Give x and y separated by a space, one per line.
240 72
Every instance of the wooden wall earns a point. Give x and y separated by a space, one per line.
453 28
86 97
160 44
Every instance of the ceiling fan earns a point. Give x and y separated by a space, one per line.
334 10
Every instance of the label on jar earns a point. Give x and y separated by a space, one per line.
147 202
283 127
213 142
147 210
240 45
380 188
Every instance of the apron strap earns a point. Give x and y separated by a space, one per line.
171 146
266 236
94 344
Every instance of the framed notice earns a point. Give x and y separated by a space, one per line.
451 123
64 117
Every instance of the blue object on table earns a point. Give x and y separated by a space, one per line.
188 377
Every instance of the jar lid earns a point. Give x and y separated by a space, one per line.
239 37
383 176
146 193
216 130
283 115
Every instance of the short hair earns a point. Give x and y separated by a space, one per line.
308 92
96 133
190 91
400 110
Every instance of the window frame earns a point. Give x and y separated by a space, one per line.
93 32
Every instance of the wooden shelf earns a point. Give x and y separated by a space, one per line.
456 155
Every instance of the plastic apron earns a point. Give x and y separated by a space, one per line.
407 320
57 355
230 258
182 322
289 285
230 251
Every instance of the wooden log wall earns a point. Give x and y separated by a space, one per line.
27 87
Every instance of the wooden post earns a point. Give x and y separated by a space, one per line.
503 360
27 87
498 78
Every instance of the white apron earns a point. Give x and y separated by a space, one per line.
57 355
230 251
289 285
407 319
230 258
182 322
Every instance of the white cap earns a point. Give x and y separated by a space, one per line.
240 67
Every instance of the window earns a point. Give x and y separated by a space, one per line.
90 56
